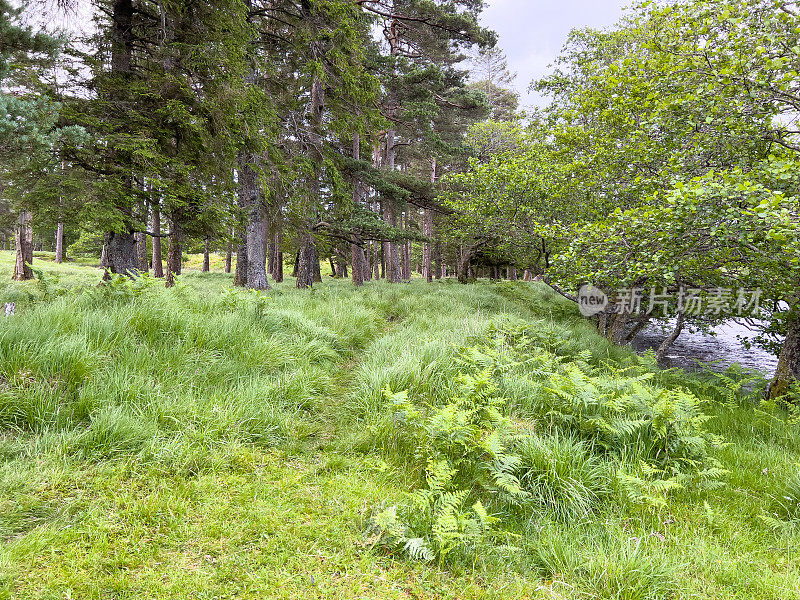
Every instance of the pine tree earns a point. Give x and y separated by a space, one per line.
491 75
28 123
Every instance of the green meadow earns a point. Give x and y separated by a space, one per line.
395 441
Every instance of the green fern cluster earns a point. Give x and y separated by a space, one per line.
466 446
625 413
619 411
605 430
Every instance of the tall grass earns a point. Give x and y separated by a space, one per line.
135 421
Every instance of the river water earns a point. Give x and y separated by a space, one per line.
716 352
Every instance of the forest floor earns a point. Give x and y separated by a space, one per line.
201 442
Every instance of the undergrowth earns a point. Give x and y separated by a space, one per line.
419 440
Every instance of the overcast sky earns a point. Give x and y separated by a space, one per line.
532 32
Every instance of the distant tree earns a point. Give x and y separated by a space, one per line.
28 122
490 74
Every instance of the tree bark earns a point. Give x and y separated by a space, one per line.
276 260
123 258
158 267
304 263
121 246
141 252
315 266
60 242
368 261
667 343
618 327
358 263
788 370
391 250
229 257
463 267
376 261
437 262
206 255
340 266
357 259
240 274
272 256
405 251
104 254
427 231
641 323
279 268
427 246
23 237
250 199
175 252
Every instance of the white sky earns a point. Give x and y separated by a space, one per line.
532 32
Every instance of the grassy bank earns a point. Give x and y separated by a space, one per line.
407 441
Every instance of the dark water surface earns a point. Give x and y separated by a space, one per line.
717 352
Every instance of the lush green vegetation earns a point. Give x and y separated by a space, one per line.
440 441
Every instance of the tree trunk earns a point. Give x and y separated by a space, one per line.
641 323
265 237
279 268
158 267
142 264
141 252
376 261
788 370
463 267
367 252
121 246
276 256
244 204
602 323
23 237
438 263
357 259
315 267
667 343
229 257
304 264
174 253
358 263
272 256
206 256
391 250
123 258
405 252
240 273
256 249
104 254
427 246
618 328
60 242
255 242
338 264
